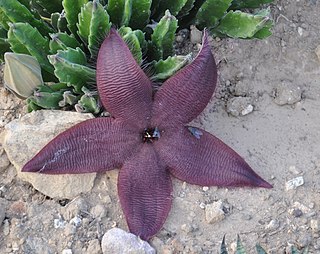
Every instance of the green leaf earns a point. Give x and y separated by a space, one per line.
260 250
25 39
239 4
173 6
163 37
240 248
223 247
72 8
70 67
93 25
47 7
4 20
166 68
88 103
17 12
120 11
61 41
211 11
140 14
238 24
4 44
134 40
186 8
59 22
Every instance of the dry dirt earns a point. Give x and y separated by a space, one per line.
281 142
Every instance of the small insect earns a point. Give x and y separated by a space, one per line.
195 132
149 135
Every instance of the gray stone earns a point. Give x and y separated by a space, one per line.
24 137
3 204
239 106
117 241
195 35
94 247
214 212
4 161
287 94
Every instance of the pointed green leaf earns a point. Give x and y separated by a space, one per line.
173 6
163 37
72 8
240 248
140 14
17 12
166 68
211 11
186 8
238 24
69 99
120 11
260 250
239 4
47 7
223 247
70 67
4 20
26 39
135 40
61 41
93 25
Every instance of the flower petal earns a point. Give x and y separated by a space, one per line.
125 91
195 156
94 145
145 187
185 95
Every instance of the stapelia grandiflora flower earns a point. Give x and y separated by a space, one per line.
147 137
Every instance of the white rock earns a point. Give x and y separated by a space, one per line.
117 241
24 137
195 35
67 251
239 106
294 183
214 212
4 161
314 225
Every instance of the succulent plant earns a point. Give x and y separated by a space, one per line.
64 37
241 250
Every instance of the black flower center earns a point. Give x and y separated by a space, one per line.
150 134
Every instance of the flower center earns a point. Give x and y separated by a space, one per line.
150 134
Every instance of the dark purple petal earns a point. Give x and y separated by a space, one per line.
94 145
125 91
145 188
185 95
195 156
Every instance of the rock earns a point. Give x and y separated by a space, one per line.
3 204
214 212
75 208
314 225
94 247
98 211
118 241
31 133
241 89
287 94
195 35
239 106
294 183
272 225
4 161
317 51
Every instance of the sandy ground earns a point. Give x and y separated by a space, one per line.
281 142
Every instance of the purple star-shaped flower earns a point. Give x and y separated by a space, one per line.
147 137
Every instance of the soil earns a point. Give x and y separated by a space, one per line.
266 107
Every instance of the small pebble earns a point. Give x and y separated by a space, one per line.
294 183
317 51
314 225
214 212
67 251
273 225
202 205
205 188
239 106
